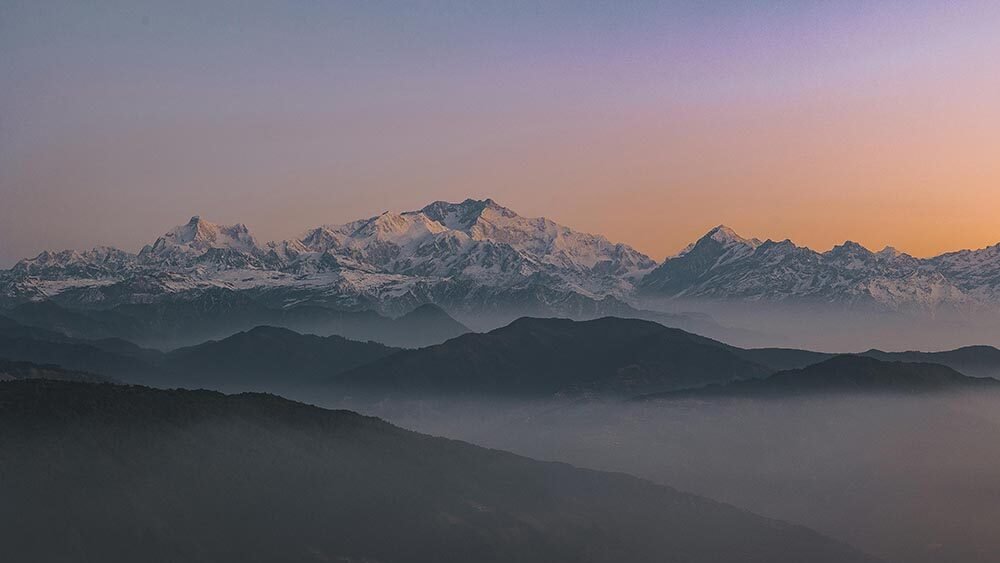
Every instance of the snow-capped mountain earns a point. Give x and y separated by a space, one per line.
723 265
479 257
468 255
473 240
100 262
202 242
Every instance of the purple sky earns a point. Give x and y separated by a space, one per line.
646 122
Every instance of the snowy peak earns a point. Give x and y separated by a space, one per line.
465 215
400 229
199 234
850 247
721 244
719 240
723 265
477 239
728 237
201 241
474 251
99 262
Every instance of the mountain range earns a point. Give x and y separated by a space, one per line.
543 358
724 265
220 313
452 252
265 358
474 255
486 265
530 358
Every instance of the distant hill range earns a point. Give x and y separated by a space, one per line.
261 358
975 361
221 313
548 357
10 371
124 473
530 358
270 356
843 375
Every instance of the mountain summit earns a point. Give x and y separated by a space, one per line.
470 256
184 245
478 257
724 265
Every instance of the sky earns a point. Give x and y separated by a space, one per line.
648 122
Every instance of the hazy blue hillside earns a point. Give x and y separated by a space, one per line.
122 473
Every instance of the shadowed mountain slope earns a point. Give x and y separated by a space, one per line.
780 359
545 357
974 361
218 313
270 355
11 370
122 473
846 374
108 357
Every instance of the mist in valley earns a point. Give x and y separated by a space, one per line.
837 327
906 478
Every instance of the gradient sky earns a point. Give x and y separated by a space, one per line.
647 122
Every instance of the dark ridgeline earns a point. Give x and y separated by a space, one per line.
538 358
108 357
123 473
780 359
546 357
268 354
530 358
263 357
844 374
975 361
10 370
218 313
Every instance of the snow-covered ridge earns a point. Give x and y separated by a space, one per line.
723 265
475 249
478 254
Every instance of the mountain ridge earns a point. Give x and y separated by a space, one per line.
845 373
475 255
480 259
546 358
723 265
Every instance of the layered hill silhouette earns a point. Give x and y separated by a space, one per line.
219 313
975 361
546 357
845 374
270 355
263 357
530 358
10 370
113 358
157 476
